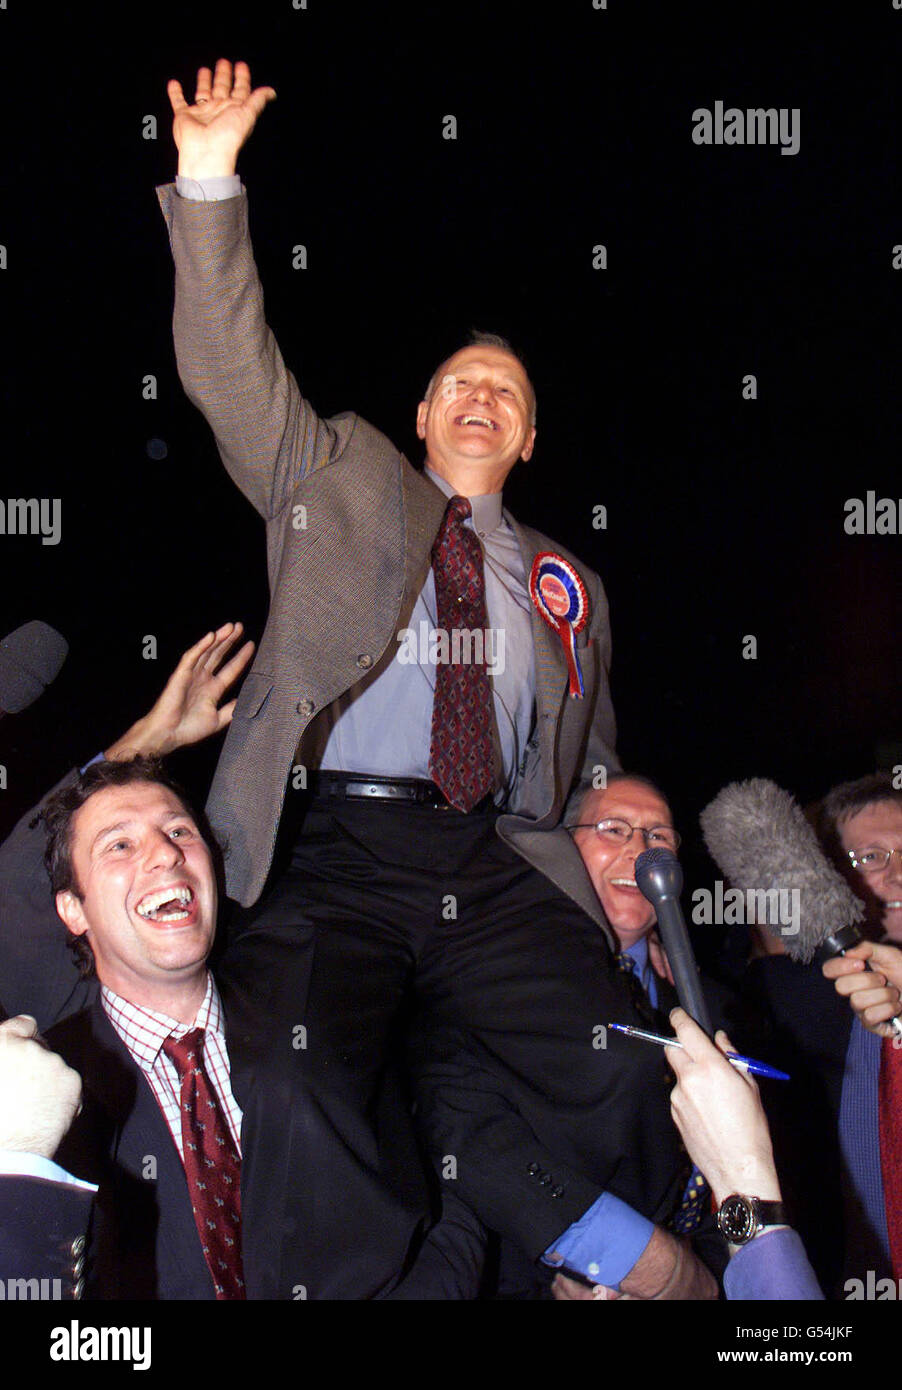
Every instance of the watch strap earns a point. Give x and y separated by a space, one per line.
759 1214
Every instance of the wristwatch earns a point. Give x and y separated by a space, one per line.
741 1218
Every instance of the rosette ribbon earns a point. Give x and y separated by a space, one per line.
560 596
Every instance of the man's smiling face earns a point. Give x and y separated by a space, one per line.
879 827
146 891
478 420
612 866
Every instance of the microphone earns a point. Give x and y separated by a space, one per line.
660 879
760 840
30 658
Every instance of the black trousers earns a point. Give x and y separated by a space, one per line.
400 929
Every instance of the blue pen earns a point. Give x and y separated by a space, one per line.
744 1063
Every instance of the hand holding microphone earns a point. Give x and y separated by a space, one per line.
869 975
660 878
760 839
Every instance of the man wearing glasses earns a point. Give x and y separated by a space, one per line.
846 1092
513 1151
862 826
613 827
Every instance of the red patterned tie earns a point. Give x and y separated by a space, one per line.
890 1110
461 754
212 1166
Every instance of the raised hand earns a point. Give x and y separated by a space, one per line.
188 709
209 134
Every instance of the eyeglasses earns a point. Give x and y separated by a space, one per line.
616 832
872 860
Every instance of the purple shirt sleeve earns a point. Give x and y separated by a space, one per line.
773 1265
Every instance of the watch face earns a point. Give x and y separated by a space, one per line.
736 1220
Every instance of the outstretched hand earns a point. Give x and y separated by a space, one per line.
209 133
188 709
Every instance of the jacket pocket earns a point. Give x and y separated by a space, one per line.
253 695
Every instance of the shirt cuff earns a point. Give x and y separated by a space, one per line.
14 1163
605 1243
212 190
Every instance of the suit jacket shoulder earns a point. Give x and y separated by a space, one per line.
144 1242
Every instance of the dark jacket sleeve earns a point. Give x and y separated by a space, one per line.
42 1236
38 973
486 1153
450 1262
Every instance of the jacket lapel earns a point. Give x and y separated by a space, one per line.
549 661
424 508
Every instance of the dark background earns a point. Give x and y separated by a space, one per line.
725 516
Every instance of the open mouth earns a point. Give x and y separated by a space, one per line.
481 420
624 883
172 904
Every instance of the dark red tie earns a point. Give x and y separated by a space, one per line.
212 1166
890 1110
461 753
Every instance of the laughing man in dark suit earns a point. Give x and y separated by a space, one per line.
134 883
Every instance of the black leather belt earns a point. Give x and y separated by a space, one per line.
352 786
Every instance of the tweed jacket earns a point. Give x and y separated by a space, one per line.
350 528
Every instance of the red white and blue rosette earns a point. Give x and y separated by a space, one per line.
560 596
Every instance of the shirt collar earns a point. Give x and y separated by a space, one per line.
487 514
144 1031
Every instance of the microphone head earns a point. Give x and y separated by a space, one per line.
759 838
30 658
659 875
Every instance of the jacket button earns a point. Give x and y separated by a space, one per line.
305 707
364 661
544 1180
79 1289
533 1169
77 1246
557 1191
78 1268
